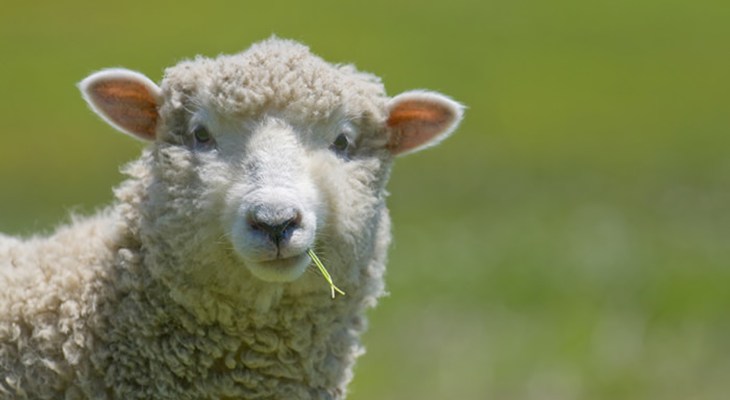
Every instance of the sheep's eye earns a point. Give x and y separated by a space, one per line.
202 140
341 144
201 134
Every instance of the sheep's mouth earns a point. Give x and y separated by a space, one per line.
280 269
282 262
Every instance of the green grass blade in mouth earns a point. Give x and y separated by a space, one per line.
324 272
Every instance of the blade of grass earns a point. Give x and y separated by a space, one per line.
324 272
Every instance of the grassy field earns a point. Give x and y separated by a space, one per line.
571 241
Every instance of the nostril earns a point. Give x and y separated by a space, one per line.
278 225
274 230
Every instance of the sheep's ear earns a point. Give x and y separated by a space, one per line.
125 99
420 119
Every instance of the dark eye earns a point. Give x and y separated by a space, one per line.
341 144
202 139
201 134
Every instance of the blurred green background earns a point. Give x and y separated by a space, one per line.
571 241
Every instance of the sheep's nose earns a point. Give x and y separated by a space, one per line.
276 223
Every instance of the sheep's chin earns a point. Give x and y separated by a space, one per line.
281 269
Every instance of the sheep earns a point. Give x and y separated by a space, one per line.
195 282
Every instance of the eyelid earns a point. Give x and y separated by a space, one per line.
350 131
200 116
348 128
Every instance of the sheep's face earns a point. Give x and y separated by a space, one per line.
258 167
276 185
274 208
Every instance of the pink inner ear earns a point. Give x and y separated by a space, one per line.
128 104
419 110
416 123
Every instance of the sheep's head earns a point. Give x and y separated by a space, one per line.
270 153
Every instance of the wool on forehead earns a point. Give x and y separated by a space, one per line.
278 75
